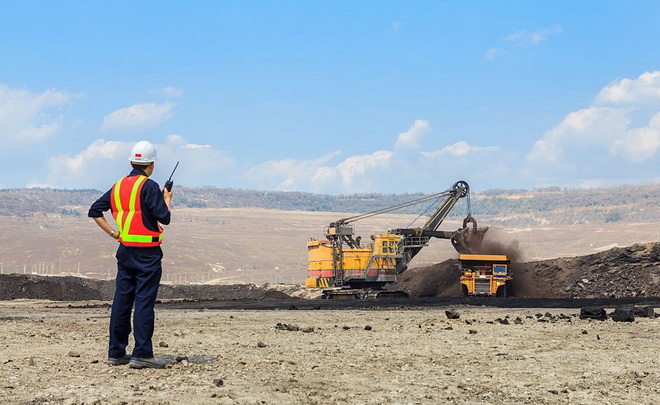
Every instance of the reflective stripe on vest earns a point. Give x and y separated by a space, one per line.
127 211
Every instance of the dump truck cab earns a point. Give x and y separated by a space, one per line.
484 275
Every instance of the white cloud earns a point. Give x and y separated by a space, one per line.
175 140
412 137
460 149
104 162
290 174
644 89
614 140
639 144
97 165
390 171
526 37
593 127
138 116
28 117
359 173
181 142
361 168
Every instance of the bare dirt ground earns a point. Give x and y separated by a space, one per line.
234 341
54 353
272 344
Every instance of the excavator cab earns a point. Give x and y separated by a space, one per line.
468 239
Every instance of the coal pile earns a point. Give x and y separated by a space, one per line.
616 273
439 280
17 286
220 292
27 286
632 271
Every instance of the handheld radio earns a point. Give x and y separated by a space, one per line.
169 183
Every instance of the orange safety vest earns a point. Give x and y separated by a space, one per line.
127 212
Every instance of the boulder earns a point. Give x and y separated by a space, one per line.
624 314
598 313
644 312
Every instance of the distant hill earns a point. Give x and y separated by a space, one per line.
555 206
549 206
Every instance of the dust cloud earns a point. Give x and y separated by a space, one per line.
495 243
443 279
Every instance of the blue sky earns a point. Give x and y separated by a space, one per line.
332 97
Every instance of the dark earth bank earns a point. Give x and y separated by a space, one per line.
625 275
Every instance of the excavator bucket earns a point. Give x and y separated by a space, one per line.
468 239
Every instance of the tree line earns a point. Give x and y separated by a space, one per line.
518 207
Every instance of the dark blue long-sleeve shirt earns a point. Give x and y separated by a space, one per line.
152 203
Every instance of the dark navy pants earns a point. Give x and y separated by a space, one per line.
138 276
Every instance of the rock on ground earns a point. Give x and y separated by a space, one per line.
54 353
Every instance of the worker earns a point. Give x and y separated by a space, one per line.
139 208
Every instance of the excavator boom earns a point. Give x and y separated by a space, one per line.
467 239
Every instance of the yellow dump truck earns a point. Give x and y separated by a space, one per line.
484 275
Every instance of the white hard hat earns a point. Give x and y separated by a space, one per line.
143 152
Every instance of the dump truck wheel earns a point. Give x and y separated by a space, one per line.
501 291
